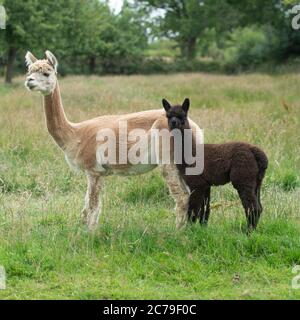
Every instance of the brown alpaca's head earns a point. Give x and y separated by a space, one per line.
177 114
41 73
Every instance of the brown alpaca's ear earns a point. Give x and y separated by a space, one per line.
186 105
30 59
166 105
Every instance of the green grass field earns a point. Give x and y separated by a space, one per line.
136 252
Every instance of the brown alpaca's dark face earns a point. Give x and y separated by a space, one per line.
177 114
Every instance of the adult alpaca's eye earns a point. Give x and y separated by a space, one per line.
46 74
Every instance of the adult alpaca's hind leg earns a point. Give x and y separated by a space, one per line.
91 211
178 191
251 205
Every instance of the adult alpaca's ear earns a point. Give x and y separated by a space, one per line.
166 105
30 59
52 60
186 105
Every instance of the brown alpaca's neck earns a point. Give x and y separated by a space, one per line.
184 127
181 167
58 126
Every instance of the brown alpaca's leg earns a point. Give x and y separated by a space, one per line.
251 205
258 196
178 191
206 207
194 205
202 210
92 208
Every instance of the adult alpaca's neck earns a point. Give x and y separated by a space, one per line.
57 123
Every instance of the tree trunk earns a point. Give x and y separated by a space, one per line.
11 56
188 48
92 64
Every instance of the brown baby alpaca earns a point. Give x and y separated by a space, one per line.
240 163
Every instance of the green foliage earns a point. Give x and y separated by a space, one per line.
186 21
249 47
238 35
88 38
125 44
85 35
164 48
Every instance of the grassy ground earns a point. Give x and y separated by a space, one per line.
136 251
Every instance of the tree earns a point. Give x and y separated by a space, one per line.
259 12
83 29
187 20
84 34
125 41
274 15
30 23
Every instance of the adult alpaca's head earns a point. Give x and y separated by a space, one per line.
41 73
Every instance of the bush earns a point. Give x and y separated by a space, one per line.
249 47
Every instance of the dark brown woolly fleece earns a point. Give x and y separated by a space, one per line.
240 163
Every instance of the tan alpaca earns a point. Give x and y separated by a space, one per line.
80 144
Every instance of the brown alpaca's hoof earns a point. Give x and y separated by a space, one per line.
250 229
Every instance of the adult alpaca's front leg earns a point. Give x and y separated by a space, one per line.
178 191
92 208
